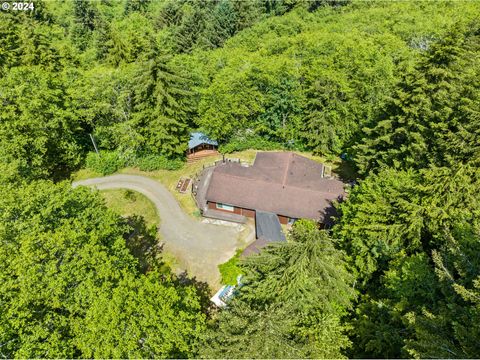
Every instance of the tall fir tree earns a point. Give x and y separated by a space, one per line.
291 302
434 117
161 104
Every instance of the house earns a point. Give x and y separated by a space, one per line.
200 145
283 183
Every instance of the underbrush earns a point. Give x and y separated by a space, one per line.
108 162
231 269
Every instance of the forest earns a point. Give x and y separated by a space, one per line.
393 88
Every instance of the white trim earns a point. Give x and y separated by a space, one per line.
225 207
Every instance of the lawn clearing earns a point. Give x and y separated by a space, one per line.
127 203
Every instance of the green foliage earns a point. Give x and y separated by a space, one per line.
39 134
247 142
157 162
69 286
434 116
290 304
394 84
198 25
138 75
382 220
171 332
315 79
130 195
161 103
412 238
105 163
377 330
230 270
451 328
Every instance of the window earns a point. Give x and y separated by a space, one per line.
225 207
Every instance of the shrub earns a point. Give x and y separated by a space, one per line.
230 270
130 195
255 142
105 163
158 162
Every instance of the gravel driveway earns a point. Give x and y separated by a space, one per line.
197 246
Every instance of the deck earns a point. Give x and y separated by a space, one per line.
200 187
222 215
201 154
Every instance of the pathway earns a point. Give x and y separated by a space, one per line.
198 247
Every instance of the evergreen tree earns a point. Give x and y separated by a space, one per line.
451 328
434 116
9 41
136 5
412 238
381 221
221 25
290 304
162 101
84 18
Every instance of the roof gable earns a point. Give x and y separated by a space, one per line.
279 182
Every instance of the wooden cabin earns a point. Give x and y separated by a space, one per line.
200 146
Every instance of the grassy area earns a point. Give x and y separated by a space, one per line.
169 178
230 270
144 236
128 203
83 174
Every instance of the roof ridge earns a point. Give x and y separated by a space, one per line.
267 182
285 174
246 178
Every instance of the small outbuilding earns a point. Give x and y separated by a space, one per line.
200 145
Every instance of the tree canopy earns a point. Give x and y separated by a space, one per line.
290 304
317 76
391 87
70 287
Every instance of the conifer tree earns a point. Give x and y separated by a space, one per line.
434 116
290 304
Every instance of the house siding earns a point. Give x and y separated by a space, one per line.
248 213
283 219
245 212
213 206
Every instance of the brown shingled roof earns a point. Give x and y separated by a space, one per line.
280 182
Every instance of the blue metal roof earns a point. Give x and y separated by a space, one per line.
198 138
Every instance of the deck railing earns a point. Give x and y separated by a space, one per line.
196 177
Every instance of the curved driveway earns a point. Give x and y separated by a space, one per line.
197 246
